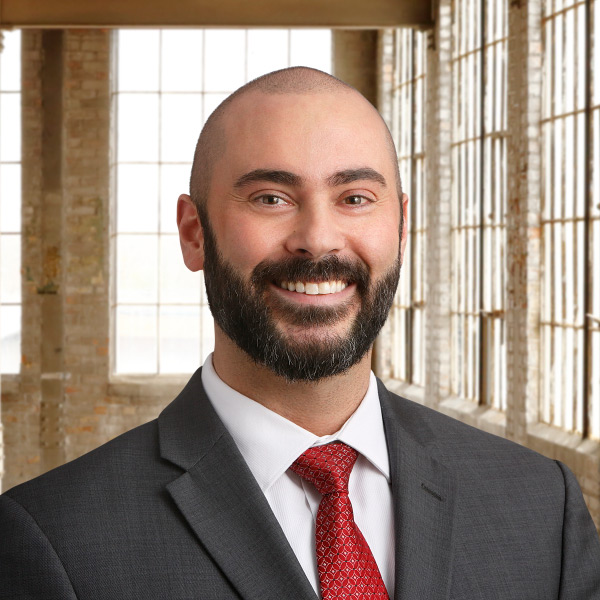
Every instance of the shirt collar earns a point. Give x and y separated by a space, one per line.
270 443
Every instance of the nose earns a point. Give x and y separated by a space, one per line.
316 232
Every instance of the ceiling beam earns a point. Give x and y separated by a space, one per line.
215 13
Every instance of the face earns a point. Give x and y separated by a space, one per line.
301 234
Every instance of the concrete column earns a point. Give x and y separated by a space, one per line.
85 304
523 216
1 428
21 406
59 410
439 198
51 290
381 361
355 60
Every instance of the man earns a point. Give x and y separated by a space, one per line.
284 470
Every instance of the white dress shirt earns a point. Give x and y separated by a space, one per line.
270 443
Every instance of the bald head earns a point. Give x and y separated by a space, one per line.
294 80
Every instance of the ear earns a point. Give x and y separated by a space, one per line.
404 209
191 234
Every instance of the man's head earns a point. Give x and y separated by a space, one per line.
295 181
295 80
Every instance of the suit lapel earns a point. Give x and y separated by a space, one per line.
424 497
224 505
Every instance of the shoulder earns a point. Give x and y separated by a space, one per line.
112 470
469 452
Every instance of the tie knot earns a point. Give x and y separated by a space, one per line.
327 467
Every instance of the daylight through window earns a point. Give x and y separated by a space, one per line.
10 202
161 319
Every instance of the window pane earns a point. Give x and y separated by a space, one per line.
268 50
10 202
563 208
181 121
10 269
157 131
182 60
178 285
136 339
174 180
10 62
137 261
311 48
208 331
10 340
179 339
137 198
138 127
225 66
211 101
10 117
10 198
138 60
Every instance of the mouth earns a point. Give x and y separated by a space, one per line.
313 288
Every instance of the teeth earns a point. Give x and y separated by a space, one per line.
312 288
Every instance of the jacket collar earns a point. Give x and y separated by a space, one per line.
424 492
223 504
229 514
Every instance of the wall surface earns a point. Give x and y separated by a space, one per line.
519 422
65 402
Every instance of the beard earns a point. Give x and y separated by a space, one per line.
248 314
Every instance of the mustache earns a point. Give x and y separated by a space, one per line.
297 268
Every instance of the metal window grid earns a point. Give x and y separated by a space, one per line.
10 234
206 326
570 308
408 130
478 364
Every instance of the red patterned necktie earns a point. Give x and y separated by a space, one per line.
347 569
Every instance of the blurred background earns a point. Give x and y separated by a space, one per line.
495 111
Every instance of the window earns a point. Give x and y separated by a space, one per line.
570 311
161 319
479 201
408 131
10 202
593 415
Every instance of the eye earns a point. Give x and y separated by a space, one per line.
356 200
270 200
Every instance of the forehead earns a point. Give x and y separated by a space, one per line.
320 132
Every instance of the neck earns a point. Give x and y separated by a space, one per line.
321 407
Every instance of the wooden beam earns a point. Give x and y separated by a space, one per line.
210 13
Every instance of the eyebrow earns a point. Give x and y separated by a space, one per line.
275 176
351 175
287 178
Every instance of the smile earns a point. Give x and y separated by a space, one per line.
313 288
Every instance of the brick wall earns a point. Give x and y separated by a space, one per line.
439 198
520 420
65 403
21 396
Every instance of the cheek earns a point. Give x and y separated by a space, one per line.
245 244
379 247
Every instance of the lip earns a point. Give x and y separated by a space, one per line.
316 299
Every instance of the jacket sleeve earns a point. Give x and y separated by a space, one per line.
29 566
580 572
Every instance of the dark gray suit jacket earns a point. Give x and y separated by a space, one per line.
171 510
